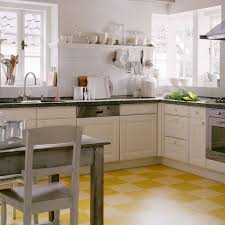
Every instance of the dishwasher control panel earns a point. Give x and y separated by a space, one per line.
98 111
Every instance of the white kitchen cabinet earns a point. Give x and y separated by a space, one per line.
56 116
176 149
138 136
177 127
27 115
56 112
105 128
197 147
138 109
177 110
56 122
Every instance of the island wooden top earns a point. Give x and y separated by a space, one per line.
87 142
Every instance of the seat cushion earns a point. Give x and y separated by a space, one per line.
42 192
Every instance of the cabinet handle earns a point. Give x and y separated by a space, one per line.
203 123
99 112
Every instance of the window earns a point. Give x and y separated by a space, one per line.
180 53
24 34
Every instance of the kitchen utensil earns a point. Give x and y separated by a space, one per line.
13 130
103 38
99 87
185 81
63 39
175 81
78 93
2 133
148 88
93 39
82 80
9 68
121 58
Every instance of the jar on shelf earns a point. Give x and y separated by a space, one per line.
131 38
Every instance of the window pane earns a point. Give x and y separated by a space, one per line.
184 44
160 34
33 42
8 28
208 51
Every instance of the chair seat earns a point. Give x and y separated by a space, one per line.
40 193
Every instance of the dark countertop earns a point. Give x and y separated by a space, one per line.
204 102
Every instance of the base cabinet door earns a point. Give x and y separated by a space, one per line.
138 136
105 128
176 149
197 152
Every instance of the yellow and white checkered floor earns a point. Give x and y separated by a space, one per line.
154 195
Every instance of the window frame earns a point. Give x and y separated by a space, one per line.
44 51
195 45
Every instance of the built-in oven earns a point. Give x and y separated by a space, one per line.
216 134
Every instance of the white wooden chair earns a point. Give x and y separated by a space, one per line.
34 199
12 181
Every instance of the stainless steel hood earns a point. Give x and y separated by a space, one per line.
217 33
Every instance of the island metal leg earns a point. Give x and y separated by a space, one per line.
97 187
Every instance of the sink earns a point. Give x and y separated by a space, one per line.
42 101
9 101
31 101
51 101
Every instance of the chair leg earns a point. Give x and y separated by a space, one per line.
27 216
73 216
36 219
14 213
56 217
3 214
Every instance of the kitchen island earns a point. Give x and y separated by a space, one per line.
92 155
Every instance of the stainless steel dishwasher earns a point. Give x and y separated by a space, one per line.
102 122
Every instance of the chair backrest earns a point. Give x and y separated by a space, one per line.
47 136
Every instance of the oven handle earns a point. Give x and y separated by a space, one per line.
216 122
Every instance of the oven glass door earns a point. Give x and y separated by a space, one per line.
216 137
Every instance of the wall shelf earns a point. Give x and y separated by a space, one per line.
80 45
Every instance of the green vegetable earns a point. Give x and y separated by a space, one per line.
182 95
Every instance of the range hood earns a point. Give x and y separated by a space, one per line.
217 33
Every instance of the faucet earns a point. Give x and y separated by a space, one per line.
25 84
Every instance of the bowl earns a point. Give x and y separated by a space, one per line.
175 81
185 81
211 77
92 39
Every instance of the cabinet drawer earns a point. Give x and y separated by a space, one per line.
138 109
198 113
56 112
177 127
176 149
56 122
18 114
177 110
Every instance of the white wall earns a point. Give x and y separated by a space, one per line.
93 16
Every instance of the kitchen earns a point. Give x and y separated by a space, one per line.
163 147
